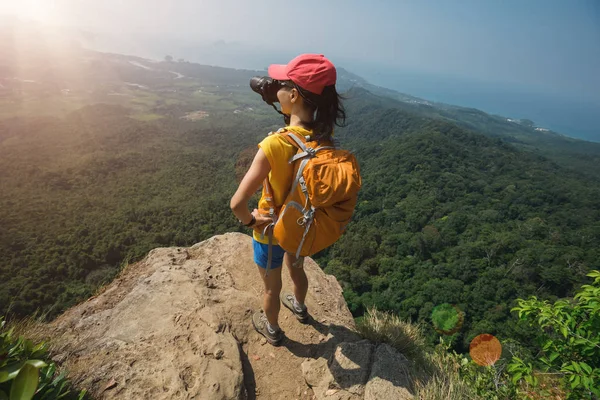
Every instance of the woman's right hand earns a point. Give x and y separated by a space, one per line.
261 220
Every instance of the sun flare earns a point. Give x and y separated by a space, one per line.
41 10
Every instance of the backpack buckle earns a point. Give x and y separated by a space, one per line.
307 217
303 185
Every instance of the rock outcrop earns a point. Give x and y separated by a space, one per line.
177 325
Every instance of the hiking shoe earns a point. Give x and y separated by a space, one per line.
288 300
259 320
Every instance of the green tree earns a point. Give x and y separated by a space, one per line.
569 333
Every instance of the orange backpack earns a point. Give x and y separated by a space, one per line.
321 199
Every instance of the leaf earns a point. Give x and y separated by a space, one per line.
563 330
39 350
569 368
10 371
23 388
574 384
517 377
585 367
28 346
553 356
3 395
62 386
39 347
594 274
59 378
36 363
47 393
50 371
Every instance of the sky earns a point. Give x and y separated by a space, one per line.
545 47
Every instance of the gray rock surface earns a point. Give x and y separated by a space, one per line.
389 377
359 370
350 365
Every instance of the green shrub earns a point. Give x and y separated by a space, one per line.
569 334
27 373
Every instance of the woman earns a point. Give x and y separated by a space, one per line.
312 106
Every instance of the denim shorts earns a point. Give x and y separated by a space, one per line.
261 255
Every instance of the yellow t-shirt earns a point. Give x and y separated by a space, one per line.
279 151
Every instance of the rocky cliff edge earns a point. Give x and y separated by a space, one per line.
177 325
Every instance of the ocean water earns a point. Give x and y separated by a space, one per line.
566 114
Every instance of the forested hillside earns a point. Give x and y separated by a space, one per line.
104 157
82 195
445 216
570 153
449 216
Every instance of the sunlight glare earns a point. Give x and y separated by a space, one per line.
41 10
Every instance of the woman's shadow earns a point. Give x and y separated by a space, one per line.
333 334
358 358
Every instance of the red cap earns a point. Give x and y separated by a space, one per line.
309 71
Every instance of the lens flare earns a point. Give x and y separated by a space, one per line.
447 319
485 349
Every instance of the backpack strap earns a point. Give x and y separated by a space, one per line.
269 197
267 230
307 221
295 140
299 178
270 246
306 151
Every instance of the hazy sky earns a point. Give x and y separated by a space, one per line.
551 45
481 53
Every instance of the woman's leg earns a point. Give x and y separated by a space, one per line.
298 277
272 284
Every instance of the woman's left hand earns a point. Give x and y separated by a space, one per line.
261 220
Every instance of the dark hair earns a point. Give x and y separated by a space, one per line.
327 109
